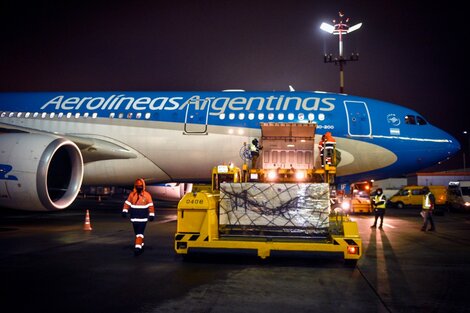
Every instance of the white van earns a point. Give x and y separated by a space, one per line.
458 195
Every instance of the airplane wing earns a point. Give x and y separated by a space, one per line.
92 149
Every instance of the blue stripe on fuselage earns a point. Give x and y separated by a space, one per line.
221 108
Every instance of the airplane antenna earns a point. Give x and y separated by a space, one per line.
341 27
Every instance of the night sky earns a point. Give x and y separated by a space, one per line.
411 52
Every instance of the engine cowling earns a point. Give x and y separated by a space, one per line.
39 172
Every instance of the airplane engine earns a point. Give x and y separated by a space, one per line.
39 172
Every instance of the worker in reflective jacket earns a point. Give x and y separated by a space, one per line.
139 205
379 204
429 201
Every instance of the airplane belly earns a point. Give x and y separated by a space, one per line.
358 157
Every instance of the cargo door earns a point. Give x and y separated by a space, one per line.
287 145
358 118
197 116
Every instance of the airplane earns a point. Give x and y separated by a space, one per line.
52 143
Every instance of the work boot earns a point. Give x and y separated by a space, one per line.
373 226
137 251
432 229
380 227
423 229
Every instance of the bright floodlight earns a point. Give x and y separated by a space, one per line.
355 27
327 27
340 27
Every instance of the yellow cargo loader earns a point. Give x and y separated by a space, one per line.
264 215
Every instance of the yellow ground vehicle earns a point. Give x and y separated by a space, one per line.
413 196
360 198
267 209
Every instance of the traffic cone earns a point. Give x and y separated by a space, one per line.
87 225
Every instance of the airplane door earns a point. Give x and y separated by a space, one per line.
197 116
358 118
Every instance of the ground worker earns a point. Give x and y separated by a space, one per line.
139 205
379 202
429 201
254 148
330 146
321 148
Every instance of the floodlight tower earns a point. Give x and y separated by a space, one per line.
340 28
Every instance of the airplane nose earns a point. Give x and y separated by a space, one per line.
454 145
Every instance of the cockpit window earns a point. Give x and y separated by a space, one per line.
410 119
415 120
420 120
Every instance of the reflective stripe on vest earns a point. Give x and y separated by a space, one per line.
426 202
380 199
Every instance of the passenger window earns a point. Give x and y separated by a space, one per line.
410 119
404 192
416 192
420 120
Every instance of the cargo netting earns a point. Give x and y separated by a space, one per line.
274 209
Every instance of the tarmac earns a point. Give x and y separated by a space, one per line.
49 263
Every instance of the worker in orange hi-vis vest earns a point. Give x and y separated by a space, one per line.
139 206
321 149
330 146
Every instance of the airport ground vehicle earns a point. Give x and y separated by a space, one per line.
278 206
360 198
458 195
413 196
